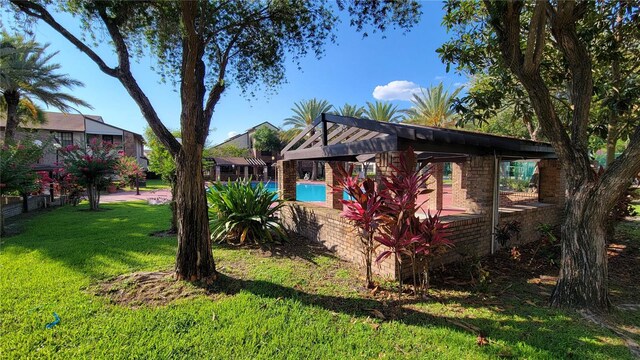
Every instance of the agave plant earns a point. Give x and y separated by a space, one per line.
241 213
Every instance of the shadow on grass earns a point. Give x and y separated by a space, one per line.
297 247
99 243
552 331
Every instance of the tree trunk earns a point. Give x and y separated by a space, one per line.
93 193
612 138
583 279
194 260
25 202
12 99
174 213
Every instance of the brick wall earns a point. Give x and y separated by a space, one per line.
287 177
472 184
471 234
34 202
332 197
530 216
552 182
326 226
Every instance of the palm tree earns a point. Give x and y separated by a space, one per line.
26 73
28 112
383 111
351 111
433 107
305 112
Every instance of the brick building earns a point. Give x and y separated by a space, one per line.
472 205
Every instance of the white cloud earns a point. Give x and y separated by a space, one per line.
231 134
396 90
438 78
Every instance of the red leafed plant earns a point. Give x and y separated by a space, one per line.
363 210
406 235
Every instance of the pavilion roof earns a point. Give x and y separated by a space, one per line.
334 137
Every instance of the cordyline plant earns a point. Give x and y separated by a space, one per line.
404 233
388 216
363 211
92 167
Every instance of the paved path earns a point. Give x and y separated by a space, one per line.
162 195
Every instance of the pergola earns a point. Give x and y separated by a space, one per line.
237 163
334 137
475 159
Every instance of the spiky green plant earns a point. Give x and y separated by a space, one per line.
241 213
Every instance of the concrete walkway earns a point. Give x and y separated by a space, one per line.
157 196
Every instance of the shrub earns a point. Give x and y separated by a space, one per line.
129 171
91 167
362 211
240 213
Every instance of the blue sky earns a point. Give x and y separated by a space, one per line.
353 70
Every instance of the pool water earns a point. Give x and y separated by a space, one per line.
306 192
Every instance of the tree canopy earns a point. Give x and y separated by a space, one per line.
551 54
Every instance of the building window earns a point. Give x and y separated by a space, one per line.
107 138
65 138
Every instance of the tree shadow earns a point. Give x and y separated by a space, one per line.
537 327
98 244
298 247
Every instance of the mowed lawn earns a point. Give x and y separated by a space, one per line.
267 305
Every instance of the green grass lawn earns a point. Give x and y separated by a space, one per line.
155 184
296 302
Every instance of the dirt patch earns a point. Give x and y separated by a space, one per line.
163 233
149 289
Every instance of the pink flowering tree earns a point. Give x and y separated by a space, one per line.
16 170
129 170
92 167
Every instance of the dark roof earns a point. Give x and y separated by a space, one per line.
61 122
346 138
239 161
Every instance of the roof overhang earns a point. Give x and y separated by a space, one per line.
333 137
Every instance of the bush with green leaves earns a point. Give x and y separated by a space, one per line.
241 213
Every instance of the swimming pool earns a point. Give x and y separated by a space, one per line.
306 192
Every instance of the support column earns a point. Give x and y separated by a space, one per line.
435 183
217 174
552 182
383 165
287 177
472 184
246 173
265 173
331 180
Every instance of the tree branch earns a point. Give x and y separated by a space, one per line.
575 52
122 72
36 10
536 38
620 172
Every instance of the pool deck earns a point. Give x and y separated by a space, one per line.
164 195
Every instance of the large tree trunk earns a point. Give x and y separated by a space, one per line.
194 260
12 99
174 213
583 279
